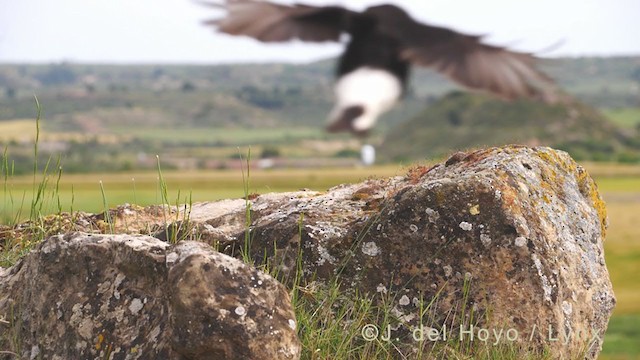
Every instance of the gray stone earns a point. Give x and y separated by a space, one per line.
520 228
82 296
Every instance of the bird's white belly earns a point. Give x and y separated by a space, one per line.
376 90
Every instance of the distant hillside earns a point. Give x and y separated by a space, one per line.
462 120
101 117
251 95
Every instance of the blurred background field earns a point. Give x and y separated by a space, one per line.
104 118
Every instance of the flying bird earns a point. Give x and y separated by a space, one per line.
384 41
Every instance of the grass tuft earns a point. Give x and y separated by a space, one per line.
246 249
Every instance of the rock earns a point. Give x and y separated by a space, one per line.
507 240
514 235
82 296
519 229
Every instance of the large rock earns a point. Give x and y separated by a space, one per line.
135 297
513 233
508 240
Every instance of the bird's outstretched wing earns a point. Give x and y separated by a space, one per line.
472 63
270 22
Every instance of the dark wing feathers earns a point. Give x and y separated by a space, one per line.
270 22
470 62
463 58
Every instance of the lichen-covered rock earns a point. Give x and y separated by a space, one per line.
511 235
135 297
222 308
508 240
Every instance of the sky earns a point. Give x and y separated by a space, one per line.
170 31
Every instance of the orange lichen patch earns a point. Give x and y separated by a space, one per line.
555 157
509 197
589 189
99 342
372 194
363 194
586 185
416 173
455 158
478 155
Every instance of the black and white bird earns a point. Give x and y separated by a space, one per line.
384 41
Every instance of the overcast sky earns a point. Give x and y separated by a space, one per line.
169 31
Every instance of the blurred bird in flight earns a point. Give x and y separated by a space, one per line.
384 41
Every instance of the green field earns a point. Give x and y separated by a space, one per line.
622 252
83 192
208 135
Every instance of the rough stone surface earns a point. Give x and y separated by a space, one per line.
82 296
513 235
521 227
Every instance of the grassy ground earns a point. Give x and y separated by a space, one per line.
82 192
619 184
209 135
622 252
